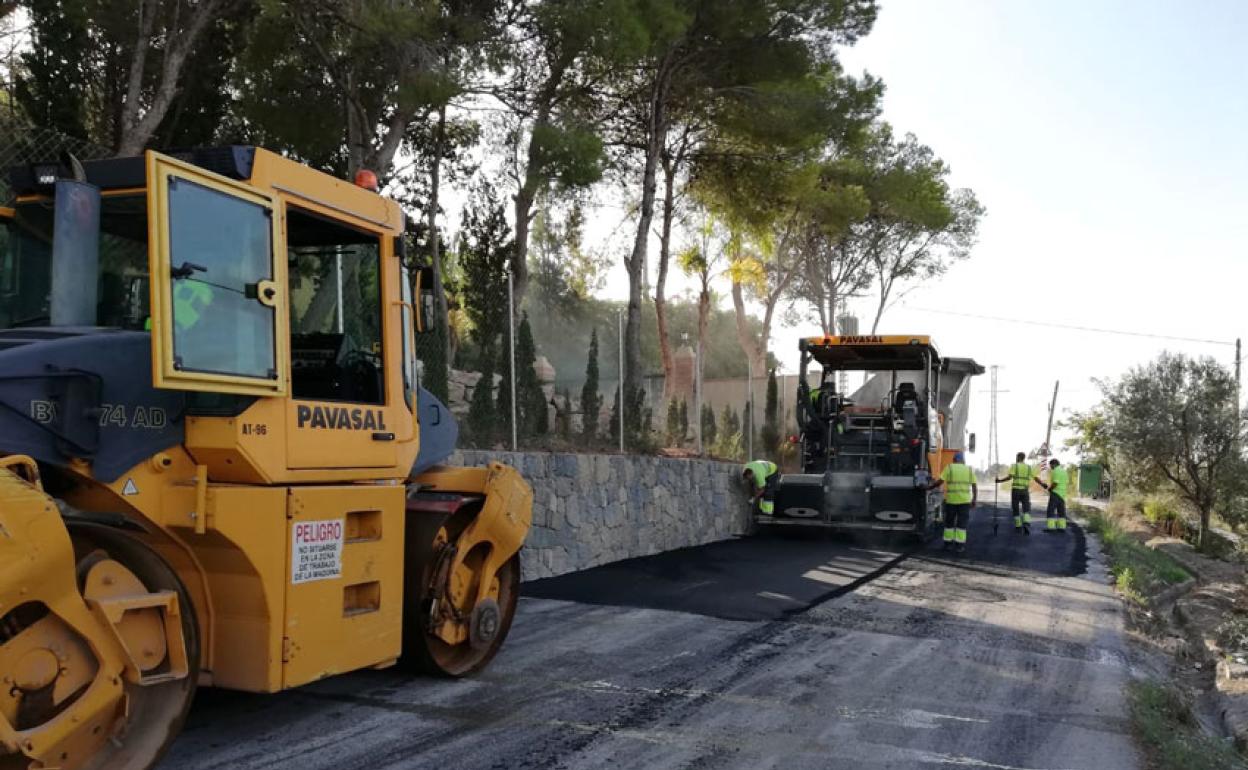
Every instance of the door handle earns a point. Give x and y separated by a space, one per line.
383 437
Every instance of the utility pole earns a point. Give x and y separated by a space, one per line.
623 396
1048 432
511 342
1238 360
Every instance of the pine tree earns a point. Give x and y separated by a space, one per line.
770 436
591 399
482 418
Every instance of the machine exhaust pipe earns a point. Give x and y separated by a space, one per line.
75 250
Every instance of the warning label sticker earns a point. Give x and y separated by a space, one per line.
316 550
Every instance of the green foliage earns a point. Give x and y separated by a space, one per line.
730 421
591 399
1162 511
769 437
502 403
534 412
1162 717
1174 421
483 418
1232 635
674 435
376 67
1089 439
638 420
75 74
710 430
1138 571
485 252
682 421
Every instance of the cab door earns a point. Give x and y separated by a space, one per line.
218 295
343 412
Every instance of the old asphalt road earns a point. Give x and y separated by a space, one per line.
772 652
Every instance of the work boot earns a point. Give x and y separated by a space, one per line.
959 548
1026 529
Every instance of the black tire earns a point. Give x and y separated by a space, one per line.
422 651
157 712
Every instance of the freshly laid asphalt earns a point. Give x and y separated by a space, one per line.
778 651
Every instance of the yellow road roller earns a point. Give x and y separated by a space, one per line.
217 465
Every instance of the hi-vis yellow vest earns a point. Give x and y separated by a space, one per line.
1020 475
958 478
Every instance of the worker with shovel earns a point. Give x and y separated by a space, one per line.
1059 480
1020 477
961 494
761 478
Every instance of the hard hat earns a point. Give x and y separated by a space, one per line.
958 457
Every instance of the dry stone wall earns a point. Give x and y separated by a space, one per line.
594 509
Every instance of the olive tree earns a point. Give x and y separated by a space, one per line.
1176 420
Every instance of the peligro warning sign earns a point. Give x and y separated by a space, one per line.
315 550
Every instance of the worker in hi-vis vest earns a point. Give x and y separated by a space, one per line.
761 477
1020 477
961 494
1059 482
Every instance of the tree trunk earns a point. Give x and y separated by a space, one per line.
704 314
137 131
527 193
660 285
754 349
655 142
525 197
435 247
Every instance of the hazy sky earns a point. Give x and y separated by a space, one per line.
1107 140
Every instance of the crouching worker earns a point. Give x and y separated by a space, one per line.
961 493
761 477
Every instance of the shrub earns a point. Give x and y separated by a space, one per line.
1232 634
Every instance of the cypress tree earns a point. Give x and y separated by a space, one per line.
710 431
482 417
770 437
534 412
591 399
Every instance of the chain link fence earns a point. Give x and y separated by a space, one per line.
529 382
24 143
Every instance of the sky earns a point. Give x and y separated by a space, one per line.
1107 141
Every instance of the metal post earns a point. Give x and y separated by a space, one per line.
511 341
342 326
1237 366
620 325
697 393
749 400
993 449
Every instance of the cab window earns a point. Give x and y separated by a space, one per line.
220 252
335 310
26 264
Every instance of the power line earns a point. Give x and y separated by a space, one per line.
1072 327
